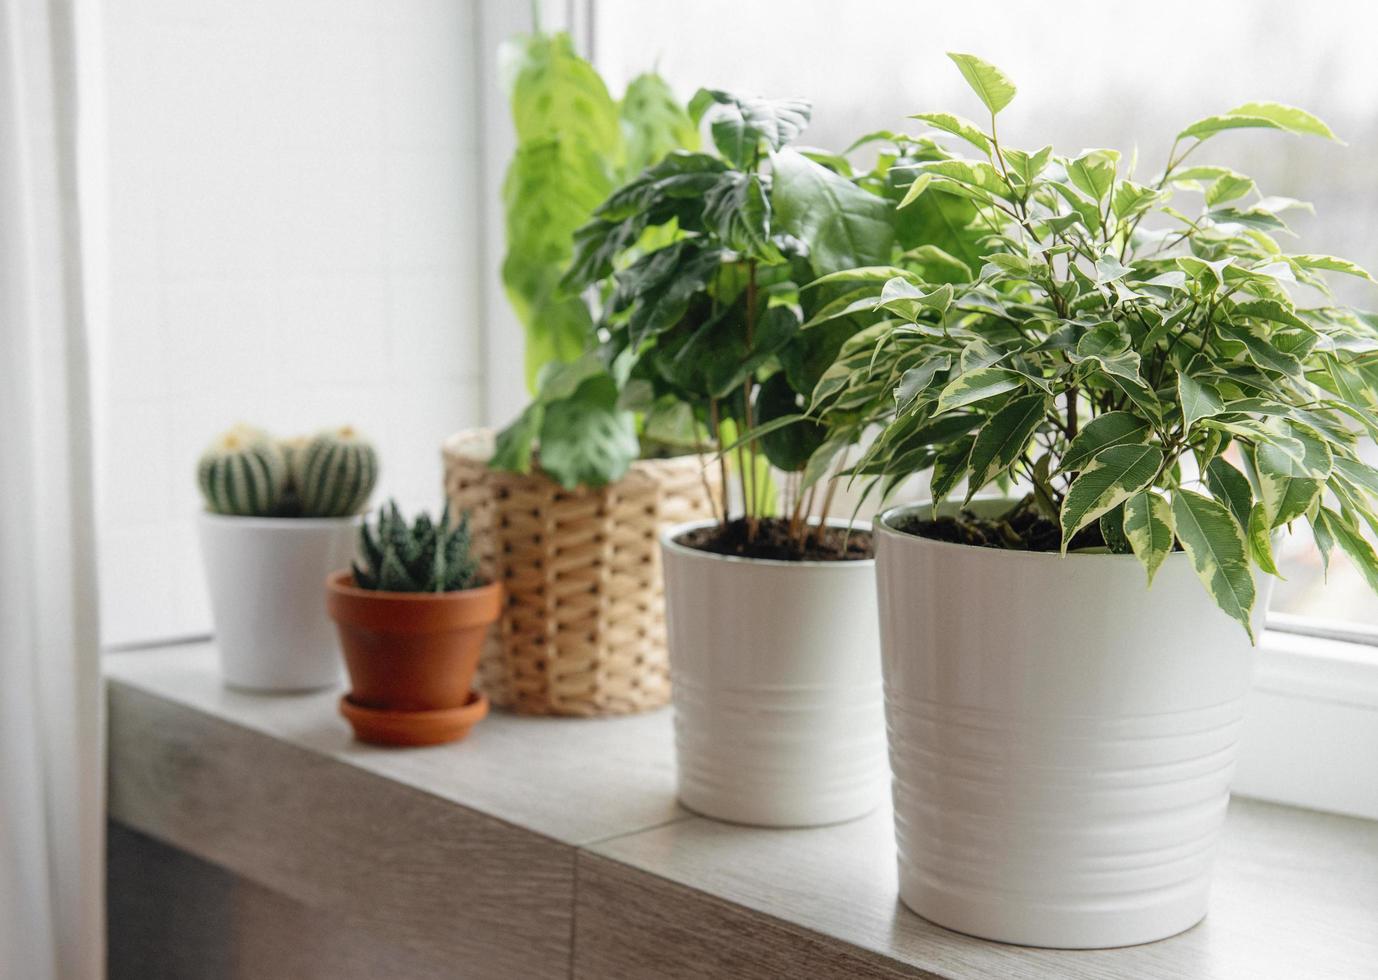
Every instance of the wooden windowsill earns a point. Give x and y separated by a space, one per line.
555 847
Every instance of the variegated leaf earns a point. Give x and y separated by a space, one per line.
1215 543
1148 526
1113 476
1110 429
1001 441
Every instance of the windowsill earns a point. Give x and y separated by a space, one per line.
583 812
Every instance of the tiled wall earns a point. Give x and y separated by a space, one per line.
292 238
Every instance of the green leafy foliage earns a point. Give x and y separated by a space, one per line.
575 143
1192 386
426 556
715 315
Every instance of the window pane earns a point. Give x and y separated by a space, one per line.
1089 74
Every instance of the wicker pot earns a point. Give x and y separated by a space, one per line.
584 627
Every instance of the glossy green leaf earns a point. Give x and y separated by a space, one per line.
1103 431
957 126
843 225
1355 545
586 439
1215 543
1003 439
1198 399
1149 527
742 126
976 386
989 83
1111 477
1261 539
1230 486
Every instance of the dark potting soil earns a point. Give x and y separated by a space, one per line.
1021 529
772 541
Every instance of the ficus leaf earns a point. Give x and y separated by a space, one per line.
1148 526
1113 476
989 83
1002 440
1215 543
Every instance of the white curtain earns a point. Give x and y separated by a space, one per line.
51 720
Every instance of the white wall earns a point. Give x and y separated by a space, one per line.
292 234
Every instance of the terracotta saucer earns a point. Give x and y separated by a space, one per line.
383 727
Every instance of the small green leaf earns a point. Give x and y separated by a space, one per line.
1228 484
1112 477
1355 545
1227 187
1148 526
919 185
957 126
1286 117
949 467
1110 429
1261 540
1215 543
1199 400
1001 441
989 83
975 386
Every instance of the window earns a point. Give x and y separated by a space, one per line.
1179 62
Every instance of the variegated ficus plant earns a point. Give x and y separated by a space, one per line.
1150 374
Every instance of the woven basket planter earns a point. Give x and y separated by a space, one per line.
584 628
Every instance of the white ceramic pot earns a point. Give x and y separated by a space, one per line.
267 579
775 679
1061 738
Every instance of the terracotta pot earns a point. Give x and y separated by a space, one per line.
411 659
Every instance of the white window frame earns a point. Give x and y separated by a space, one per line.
1310 737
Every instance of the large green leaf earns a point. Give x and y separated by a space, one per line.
1215 543
1113 476
653 123
741 124
1110 429
989 83
1001 441
843 225
737 210
1148 526
788 447
585 438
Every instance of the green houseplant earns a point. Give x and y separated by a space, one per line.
1141 381
279 517
412 613
700 263
580 464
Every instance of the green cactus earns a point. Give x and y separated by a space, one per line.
334 473
243 473
426 557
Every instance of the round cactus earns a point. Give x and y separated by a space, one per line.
242 473
334 473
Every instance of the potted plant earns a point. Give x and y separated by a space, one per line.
772 634
279 516
566 502
412 618
1141 386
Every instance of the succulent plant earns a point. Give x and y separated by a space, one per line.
425 557
333 474
243 473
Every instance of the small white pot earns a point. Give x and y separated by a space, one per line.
267 589
775 679
1062 738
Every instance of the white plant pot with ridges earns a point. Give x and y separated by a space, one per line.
1062 739
266 577
775 679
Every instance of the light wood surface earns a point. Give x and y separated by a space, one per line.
434 877
551 847
575 780
175 917
1295 895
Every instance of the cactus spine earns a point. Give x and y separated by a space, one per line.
242 473
334 473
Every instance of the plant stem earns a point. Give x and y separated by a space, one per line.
722 457
752 517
